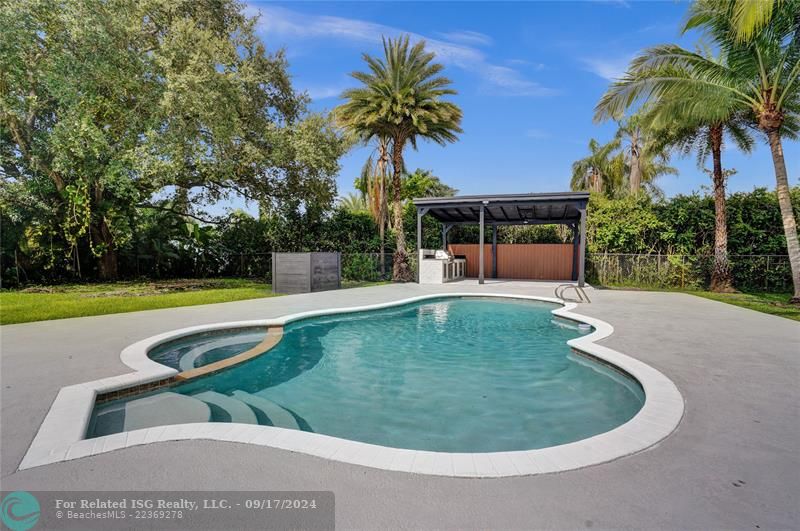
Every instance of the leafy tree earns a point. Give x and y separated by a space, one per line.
402 99
106 104
754 220
627 225
758 80
349 232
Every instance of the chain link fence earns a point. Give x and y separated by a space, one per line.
663 271
357 267
659 271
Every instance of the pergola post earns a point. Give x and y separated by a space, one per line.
576 240
445 230
582 258
480 245
421 211
494 251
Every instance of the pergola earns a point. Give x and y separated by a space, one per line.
563 208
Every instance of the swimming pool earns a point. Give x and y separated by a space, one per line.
456 374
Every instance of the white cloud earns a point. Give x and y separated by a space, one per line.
502 79
525 62
610 68
537 134
323 93
467 37
513 82
618 3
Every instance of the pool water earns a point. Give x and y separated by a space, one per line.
450 374
198 350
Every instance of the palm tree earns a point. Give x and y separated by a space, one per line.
646 162
632 132
749 17
423 183
758 80
687 131
401 99
593 172
374 178
353 203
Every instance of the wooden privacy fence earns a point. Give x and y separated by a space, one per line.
534 261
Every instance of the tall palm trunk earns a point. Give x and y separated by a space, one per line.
785 202
382 233
401 267
636 170
597 181
383 163
721 279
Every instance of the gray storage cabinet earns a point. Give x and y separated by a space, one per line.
306 272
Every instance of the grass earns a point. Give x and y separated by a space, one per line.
43 303
363 283
80 300
771 303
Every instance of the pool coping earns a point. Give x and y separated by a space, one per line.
273 336
61 435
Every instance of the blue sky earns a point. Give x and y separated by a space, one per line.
528 77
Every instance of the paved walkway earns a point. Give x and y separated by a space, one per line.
733 463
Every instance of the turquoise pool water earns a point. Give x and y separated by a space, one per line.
451 374
201 349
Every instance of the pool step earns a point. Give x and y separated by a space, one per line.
238 410
572 325
278 415
188 360
164 408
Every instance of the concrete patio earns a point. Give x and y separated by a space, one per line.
733 463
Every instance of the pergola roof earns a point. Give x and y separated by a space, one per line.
509 209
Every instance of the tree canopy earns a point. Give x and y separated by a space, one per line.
111 106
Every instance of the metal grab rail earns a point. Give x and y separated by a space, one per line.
582 296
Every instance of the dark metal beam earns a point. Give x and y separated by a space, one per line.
505 198
575 250
533 222
480 247
465 216
421 211
494 251
440 213
505 214
582 257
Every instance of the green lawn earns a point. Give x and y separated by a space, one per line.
80 300
771 303
42 303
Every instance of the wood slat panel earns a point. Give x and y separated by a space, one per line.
471 251
538 261
535 261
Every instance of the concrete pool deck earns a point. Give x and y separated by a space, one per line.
734 461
